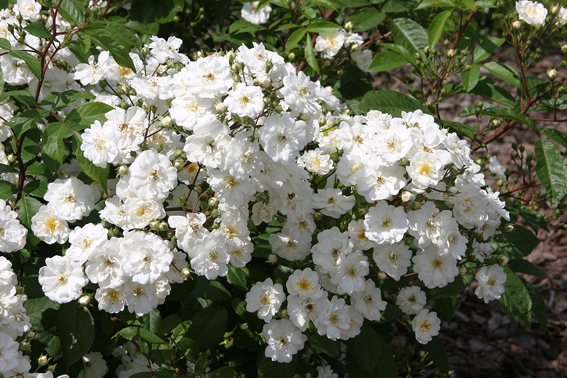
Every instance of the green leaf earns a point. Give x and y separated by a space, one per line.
53 145
38 29
438 353
469 78
37 169
7 169
386 60
5 44
400 50
486 47
504 72
386 366
493 92
309 56
524 266
366 348
509 114
72 11
152 320
436 28
539 309
516 300
325 345
61 100
323 27
151 28
516 244
531 217
76 331
243 26
556 136
409 34
238 277
208 327
27 208
25 97
38 309
1 80
440 3
213 290
550 170
390 102
459 128
120 32
455 287
36 187
395 6
366 18
104 37
87 113
49 340
131 333
294 38
27 120
31 61
7 189
223 372
98 174
446 306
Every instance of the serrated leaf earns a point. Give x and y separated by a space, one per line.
516 300
390 102
455 287
440 3
61 100
509 114
550 170
27 208
32 62
53 144
396 6
446 306
493 92
269 369
556 136
25 97
132 333
72 11
294 38
7 169
366 348
242 26
531 217
309 56
76 331
37 188
504 72
37 309
38 29
87 113
386 60
486 47
37 169
325 345
524 266
409 34
208 327
105 38
323 27
152 320
208 289
5 44
438 353
7 189
460 128
238 277
539 308
366 18
437 26
469 78
516 244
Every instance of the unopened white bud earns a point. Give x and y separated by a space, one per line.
463 271
552 73
185 272
382 275
451 53
517 24
272 259
220 108
11 158
166 121
214 201
85 300
504 260
42 361
122 170
407 196
348 26
329 89
354 47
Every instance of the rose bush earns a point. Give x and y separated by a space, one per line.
234 214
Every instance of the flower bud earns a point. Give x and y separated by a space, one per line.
220 108
517 25
122 170
361 212
291 56
231 55
213 201
382 275
451 53
318 216
564 49
407 196
272 259
185 272
552 73
348 26
166 121
11 158
179 164
197 189
154 225
427 50
354 47
463 271
504 260
85 300
144 51
329 89
416 206
163 226
42 360
509 227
